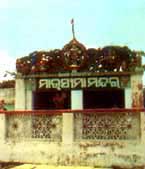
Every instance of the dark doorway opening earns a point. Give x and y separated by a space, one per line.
45 100
103 98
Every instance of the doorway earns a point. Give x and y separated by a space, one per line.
103 98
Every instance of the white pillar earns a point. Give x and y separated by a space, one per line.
142 126
68 118
29 100
20 96
137 101
29 96
128 96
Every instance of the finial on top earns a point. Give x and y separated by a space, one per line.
73 31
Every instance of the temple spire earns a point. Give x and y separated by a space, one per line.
73 31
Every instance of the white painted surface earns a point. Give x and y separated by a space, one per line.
20 95
68 152
7 94
128 97
2 127
76 99
68 128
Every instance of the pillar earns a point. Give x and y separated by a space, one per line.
137 101
142 126
68 118
137 90
2 127
128 96
20 95
29 96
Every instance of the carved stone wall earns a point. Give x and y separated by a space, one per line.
34 127
47 127
107 126
102 139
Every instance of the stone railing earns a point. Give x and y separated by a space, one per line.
93 124
34 125
107 125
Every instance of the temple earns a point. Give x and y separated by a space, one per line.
77 106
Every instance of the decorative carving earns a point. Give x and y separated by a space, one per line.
125 81
34 126
137 95
18 126
46 127
74 56
108 126
109 59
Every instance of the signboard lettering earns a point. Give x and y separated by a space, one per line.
74 83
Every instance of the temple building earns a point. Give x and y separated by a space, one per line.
77 106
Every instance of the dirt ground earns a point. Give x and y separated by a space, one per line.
11 165
8 165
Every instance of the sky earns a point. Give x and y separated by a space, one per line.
30 25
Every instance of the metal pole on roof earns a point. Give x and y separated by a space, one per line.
73 30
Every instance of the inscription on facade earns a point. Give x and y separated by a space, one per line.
74 83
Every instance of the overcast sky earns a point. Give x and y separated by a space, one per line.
29 25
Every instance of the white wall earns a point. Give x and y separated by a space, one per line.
8 94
